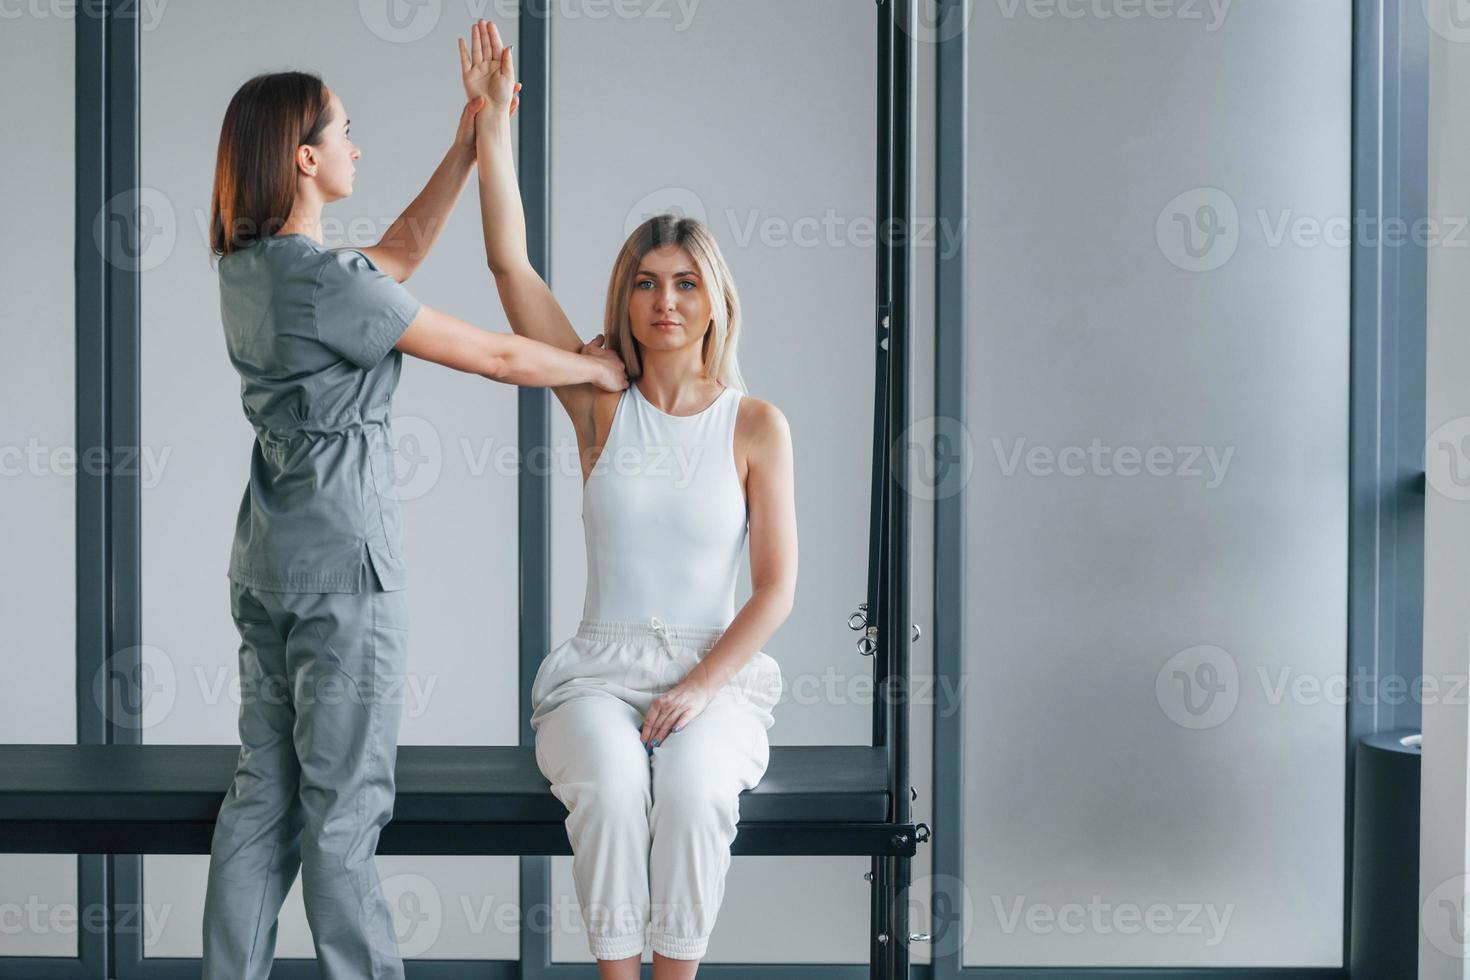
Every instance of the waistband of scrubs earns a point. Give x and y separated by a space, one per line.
653 628
372 416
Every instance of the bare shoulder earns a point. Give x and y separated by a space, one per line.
761 431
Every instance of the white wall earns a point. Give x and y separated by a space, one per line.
1112 806
38 458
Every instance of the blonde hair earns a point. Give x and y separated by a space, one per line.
718 352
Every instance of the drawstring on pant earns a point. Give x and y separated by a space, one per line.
661 630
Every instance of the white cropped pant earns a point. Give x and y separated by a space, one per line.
650 832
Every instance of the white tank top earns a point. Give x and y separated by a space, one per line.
665 516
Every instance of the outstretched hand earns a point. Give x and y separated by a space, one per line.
487 70
614 371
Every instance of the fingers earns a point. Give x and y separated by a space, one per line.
671 721
650 722
464 57
506 64
497 46
477 44
665 717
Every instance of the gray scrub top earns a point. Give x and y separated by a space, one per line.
311 331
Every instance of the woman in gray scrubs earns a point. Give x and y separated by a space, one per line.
317 571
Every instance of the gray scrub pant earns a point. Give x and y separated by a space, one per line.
321 681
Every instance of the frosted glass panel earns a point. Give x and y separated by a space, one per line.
38 457
399 80
675 110
1158 405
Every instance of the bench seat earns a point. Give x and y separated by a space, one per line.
162 799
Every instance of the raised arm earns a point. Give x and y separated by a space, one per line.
447 340
529 304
